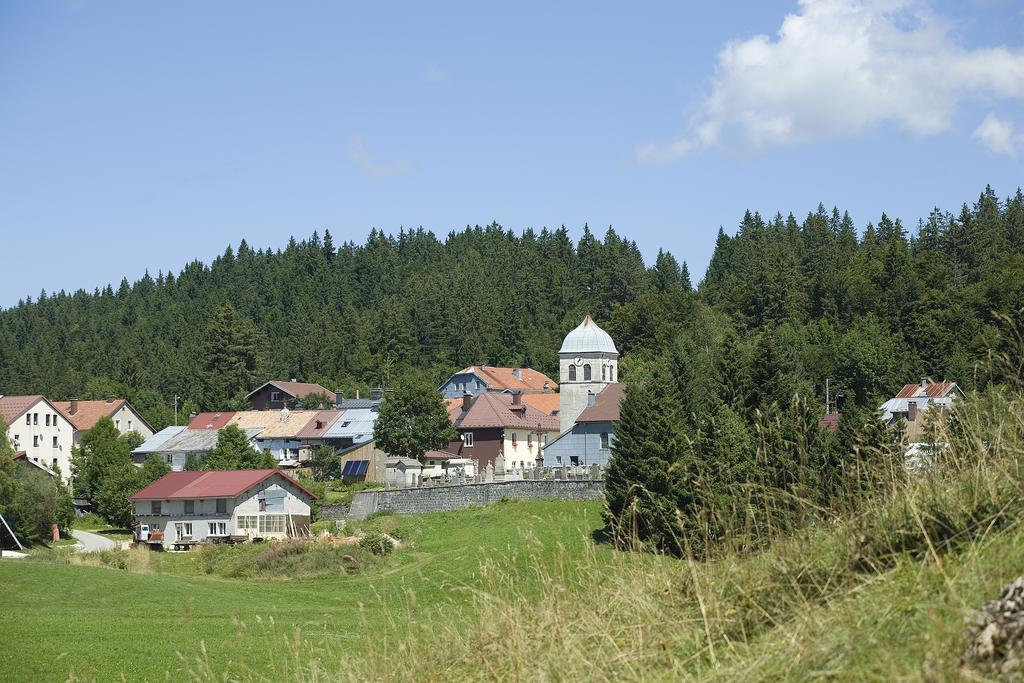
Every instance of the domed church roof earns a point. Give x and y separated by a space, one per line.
588 338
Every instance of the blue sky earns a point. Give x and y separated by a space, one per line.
139 136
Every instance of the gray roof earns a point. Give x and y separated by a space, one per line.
154 443
354 423
588 338
188 441
902 405
347 403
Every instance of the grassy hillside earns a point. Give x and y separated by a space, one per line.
97 623
516 590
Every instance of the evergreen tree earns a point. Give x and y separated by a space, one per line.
229 358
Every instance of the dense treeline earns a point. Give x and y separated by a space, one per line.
784 305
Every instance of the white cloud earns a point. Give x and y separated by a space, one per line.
1000 136
839 67
360 157
435 74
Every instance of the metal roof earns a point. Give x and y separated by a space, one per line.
588 338
154 443
355 423
215 484
188 440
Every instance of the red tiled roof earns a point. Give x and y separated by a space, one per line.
545 403
325 418
606 405
90 412
296 389
829 422
210 420
493 409
13 407
929 390
529 380
20 454
214 484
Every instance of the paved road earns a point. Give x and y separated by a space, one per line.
92 542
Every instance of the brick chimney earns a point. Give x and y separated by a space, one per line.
74 406
467 401
517 398
924 381
517 373
338 398
912 411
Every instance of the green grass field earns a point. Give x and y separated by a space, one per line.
99 623
514 591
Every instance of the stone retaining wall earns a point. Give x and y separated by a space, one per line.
333 511
442 498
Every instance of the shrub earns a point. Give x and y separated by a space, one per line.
377 543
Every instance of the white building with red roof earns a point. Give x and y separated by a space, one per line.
36 427
186 508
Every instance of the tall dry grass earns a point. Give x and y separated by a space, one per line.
603 615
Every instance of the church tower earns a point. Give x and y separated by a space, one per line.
588 362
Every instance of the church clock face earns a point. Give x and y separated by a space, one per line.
579 361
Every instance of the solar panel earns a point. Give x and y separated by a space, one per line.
347 470
361 467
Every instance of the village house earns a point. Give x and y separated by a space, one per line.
477 379
492 423
176 444
184 508
913 401
38 429
276 394
279 431
85 414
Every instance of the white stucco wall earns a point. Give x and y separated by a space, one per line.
49 445
521 454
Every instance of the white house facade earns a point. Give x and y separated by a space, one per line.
36 427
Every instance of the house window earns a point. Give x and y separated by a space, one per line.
604 373
53 464
16 438
155 507
184 529
514 439
263 504
170 459
272 524
218 529
586 372
190 507
275 395
604 439
117 423
572 373
467 439
55 445
35 440
529 439
46 419
35 418
246 522
222 506
129 425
